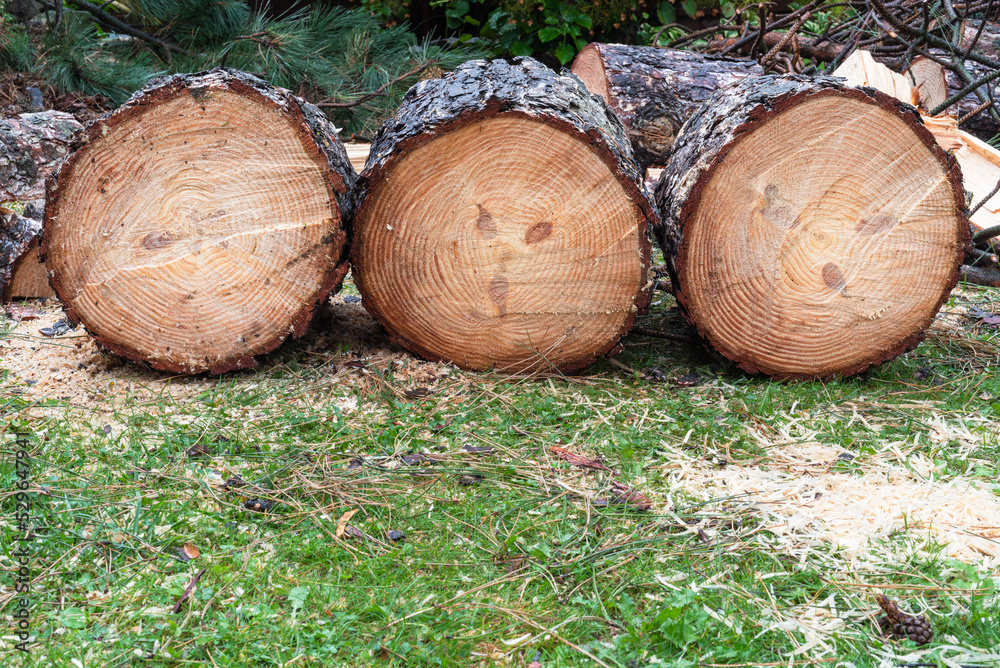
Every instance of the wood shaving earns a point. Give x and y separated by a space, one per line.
806 503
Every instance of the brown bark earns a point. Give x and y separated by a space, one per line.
201 223
502 222
815 229
655 90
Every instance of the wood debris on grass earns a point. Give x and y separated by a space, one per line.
73 368
807 501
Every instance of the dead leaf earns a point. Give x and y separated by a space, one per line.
577 460
191 551
344 519
414 460
418 392
654 375
626 496
259 505
198 450
351 531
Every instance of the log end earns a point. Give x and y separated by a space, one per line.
823 237
199 225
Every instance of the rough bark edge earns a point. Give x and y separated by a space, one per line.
27 139
671 74
319 139
16 239
685 195
609 143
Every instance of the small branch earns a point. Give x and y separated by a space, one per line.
965 91
984 201
658 334
381 90
985 235
112 23
989 278
977 258
187 592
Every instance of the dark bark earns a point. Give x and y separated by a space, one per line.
712 132
480 90
655 90
31 148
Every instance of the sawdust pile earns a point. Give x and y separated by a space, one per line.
806 504
71 367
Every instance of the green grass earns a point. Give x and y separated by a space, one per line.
528 562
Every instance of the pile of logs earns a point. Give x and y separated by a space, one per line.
811 229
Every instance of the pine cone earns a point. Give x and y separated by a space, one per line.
917 629
898 625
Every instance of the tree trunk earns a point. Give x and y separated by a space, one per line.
21 274
655 90
201 223
502 223
31 148
815 229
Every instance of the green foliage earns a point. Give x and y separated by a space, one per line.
78 59
325 54
16 50
552 30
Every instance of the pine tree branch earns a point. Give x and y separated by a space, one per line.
112 23
329 104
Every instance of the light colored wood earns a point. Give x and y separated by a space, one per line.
197 228
929 82
357 154
816 269
861 69
30 280
506 244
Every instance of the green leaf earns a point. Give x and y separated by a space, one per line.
297 597
520 49
461 8
73 618
690 7
564 52
728 10
666 13
585 22
550 33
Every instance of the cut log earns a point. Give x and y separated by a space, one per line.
201 223
31 148
21 274
815 229
501 222
655 90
